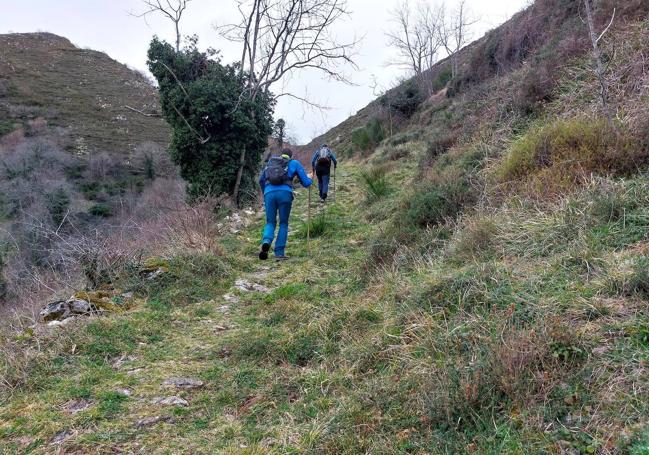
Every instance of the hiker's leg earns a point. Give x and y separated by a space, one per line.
325 186
270 201
285 203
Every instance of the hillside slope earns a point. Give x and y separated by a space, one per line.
44 75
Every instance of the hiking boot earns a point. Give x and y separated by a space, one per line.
281 258
263 254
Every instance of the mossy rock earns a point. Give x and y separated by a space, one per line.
113 301
154 264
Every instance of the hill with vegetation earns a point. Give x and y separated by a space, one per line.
479 284
44 76
82 149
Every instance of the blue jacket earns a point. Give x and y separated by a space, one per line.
294 168
315 158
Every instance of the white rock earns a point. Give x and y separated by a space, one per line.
170 401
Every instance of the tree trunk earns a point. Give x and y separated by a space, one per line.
177 36
237 183
597 55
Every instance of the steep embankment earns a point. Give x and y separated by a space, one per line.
86 92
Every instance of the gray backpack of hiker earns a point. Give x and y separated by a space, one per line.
324 158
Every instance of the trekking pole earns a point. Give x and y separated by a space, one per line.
308 224
335 184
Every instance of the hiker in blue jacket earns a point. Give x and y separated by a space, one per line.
321 163
276 181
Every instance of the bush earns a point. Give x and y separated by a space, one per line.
435 203
101 210
559 155
402 138
443 78
368 137
361 139
6 127
376 182
404 99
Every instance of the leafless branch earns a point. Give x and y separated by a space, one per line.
281 37
173 10
417 36
140 112
455 32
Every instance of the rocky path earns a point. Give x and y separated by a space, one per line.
195 368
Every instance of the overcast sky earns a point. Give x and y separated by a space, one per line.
106 25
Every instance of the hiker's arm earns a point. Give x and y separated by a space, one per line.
333 158
304 179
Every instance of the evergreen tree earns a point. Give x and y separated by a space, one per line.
212 118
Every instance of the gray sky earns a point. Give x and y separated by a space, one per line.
105 25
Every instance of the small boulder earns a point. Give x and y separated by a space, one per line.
183 383
75 406
247 286
55 311
170 401
231 298
150 421
78 306
61 437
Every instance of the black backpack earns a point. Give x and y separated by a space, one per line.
277 171
324 157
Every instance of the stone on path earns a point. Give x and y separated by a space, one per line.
170 401
150 421
75 406
62 436
247 286
231 298
183 383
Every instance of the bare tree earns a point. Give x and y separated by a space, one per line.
455 33
172 9
597 56
417 37
281 37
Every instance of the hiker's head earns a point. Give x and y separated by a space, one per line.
287 153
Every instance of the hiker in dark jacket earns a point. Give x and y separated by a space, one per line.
321 163
276 181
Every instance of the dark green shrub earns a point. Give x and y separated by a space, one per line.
375 131
368 137
402 138
361 139
213 119
6 127
443 78
435 203
404 99
102 210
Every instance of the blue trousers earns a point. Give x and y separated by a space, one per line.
323 183
277 202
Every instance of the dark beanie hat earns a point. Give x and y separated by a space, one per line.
288 152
